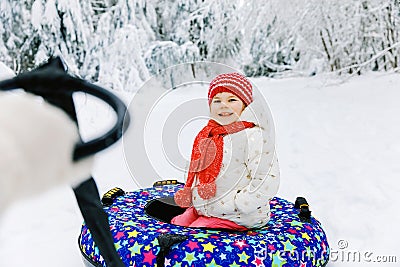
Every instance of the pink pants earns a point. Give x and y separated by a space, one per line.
190 218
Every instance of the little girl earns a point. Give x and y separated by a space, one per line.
230 180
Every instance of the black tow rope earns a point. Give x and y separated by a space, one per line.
166 241
96 220
51 82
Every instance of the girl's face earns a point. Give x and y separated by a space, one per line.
226 108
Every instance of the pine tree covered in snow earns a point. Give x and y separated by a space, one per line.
64 27
272 47
192 30
360 34
19 37
37 30
116 57
172 44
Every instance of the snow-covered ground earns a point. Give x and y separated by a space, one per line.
338 145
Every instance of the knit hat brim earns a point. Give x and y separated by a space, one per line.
232 90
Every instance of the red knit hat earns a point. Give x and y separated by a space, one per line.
234 83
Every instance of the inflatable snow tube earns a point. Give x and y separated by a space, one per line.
143 236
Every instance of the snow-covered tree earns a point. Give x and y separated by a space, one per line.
389 34
64 27
119 43
116 54
18 35
212 26
35 30
272 46
361 34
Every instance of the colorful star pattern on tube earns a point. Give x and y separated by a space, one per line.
135 236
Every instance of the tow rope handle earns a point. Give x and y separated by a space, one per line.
52 82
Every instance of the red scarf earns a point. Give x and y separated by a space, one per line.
206 160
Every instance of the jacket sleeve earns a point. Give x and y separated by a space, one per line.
262 172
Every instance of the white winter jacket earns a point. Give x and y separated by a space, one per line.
248 179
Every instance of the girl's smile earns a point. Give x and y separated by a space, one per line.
224 114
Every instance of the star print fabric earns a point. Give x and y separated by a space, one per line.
284 241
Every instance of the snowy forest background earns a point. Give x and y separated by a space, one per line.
121 43
337 142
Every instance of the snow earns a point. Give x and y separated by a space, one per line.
96 38
36 14
337 143
5 72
